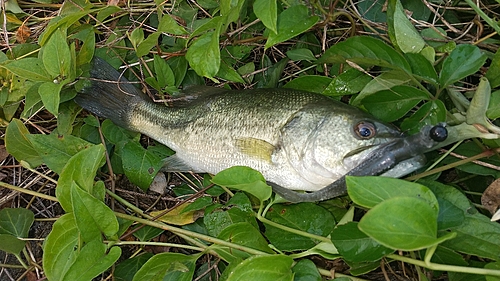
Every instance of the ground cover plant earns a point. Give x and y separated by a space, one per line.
82 198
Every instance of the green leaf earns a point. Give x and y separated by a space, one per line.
493 111
56 55
370 191
463 61
365 51
301 54
385 81
93 259
218 220
30 68
140 165
93 217
245 234
306 270
230 10
291 22
263 268
392 224
298 216
432 112
390 105
401 31
147 44
106 12
11 244
179 66
56 150
228 73
422 67
267 12
164 74
136 37
204 55
169 25
146 232
126 269
50 94
81 168
245 179
19 145
309 83
115 134
351 81
167 266
493 73
355 246
14 223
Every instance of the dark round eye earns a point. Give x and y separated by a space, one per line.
439 133
365 130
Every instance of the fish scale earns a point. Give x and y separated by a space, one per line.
298 140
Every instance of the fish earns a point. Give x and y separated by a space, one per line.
298 140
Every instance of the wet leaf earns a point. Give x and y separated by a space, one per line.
463 61
306 270
351 81
245 234
309 83
204 54
30 68
244 179
146 232
140 165
401 31
432 112
422 67
218 220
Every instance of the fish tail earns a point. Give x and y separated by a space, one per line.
107 94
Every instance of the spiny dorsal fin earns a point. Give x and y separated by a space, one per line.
256 148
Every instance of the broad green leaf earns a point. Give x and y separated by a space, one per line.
204 55
469 149
218 220
245 234
30 68
370 191
385 81
355 246
125 270
300 54
306 270
298 216
107 11
147 44
14 223
230 10
463 61
146 232
228 73
374 10
19 145
365 51
476 113
164 74
87 50
179 66
493 73
115 134
169 25
267 12
136 37
309 83
81 168
167 266
59 249
263 268
431 112
56 55
66 117
421 67
11 244
401 31
140 165
351 81
493 111
392 224
291 22
93 217
62 23
50 94
476 234
93 259
56 150
245 179
198 204
390 105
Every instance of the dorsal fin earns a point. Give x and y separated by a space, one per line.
193 93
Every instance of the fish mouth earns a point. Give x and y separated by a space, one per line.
355 157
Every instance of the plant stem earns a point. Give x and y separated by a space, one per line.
445 267
174 245
293 230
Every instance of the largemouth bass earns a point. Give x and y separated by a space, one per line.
297 140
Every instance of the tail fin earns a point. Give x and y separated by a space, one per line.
109 95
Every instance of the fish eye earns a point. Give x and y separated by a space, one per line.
438 133
365 130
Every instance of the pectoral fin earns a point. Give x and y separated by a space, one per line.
258 148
